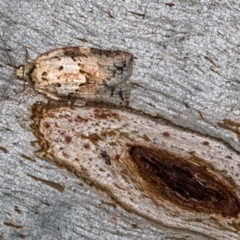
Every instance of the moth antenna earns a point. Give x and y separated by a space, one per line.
26 54
56 45
9 64
9 58
13 66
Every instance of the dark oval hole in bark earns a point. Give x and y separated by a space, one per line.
184 183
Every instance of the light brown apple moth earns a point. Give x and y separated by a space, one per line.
81 73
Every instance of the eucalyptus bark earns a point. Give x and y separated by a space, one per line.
186 71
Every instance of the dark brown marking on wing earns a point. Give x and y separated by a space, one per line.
74 52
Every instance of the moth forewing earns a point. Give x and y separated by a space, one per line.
81 73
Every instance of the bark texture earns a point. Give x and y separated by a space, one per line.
186 71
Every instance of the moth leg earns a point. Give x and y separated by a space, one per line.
49 95
56 45
79 103
52 96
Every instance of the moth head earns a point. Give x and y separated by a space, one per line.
19 71
24 72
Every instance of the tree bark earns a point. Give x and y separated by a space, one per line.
185 74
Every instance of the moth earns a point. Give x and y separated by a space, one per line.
81 73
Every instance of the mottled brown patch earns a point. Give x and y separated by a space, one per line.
170 4
86 145
69 76
83 39
72 51
100 51
200 113
81 65
206 143
138 14
210 60
105 114
146 138
186 184
46 125
17 209
80 119
3 149
12 224
68 139
52 184
82 71
51 115
186 105
231 126
134 225
94 138
166 134
27 157
110 15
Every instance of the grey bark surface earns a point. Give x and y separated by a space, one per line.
186 71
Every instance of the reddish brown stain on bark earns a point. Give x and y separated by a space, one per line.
68 139
105 114
166 134
12 224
